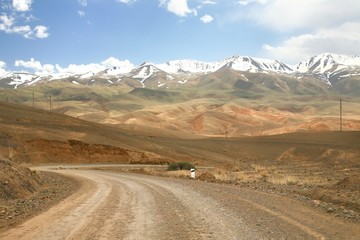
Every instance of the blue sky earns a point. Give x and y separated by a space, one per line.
59 35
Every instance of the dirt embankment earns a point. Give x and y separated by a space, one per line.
23 192
16 181
75 151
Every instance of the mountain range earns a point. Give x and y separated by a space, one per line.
328 68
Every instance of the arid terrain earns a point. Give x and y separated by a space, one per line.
318 171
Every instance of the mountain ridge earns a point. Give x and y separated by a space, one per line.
326 67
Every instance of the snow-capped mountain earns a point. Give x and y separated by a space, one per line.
255 65
16 79
326 67
144 71
325 62
238 63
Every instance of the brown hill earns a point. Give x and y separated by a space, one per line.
308 159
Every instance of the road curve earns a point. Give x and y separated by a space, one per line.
112 205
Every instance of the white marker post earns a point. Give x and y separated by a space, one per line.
192 173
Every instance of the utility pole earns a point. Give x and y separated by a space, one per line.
50 103
33 99
341 115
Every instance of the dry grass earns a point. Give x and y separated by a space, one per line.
222 175
179 173
258 168
283 180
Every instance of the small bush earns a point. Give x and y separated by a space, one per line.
180 166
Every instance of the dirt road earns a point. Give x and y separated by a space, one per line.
113 205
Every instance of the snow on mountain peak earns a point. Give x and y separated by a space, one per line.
191 66
245 63
144 71
325 62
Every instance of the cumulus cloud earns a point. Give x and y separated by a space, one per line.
22 30
37 67
2 68
344 39
206 19
289 15
10 21
125 66
178 7
310 26
6 23
32 64
41 32
80 69
22 5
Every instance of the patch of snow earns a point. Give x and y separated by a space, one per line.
75 82
190 66
183 81
87 75
146 71
169 77
350 75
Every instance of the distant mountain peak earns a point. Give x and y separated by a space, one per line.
327 62
327 67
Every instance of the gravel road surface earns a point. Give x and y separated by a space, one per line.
111 205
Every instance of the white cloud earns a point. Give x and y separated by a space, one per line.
81 13
2 68
32 64
6 23
178 7
80 69
41 32
83 3
125 66
344 39
48 68
127 1
309 27
246 2
22 5
43 69
35 66
22 30
290 15
206 19
209 2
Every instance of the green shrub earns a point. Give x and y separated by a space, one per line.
180 166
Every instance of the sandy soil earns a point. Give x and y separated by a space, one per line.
129 206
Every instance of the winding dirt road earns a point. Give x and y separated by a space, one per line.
113 205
